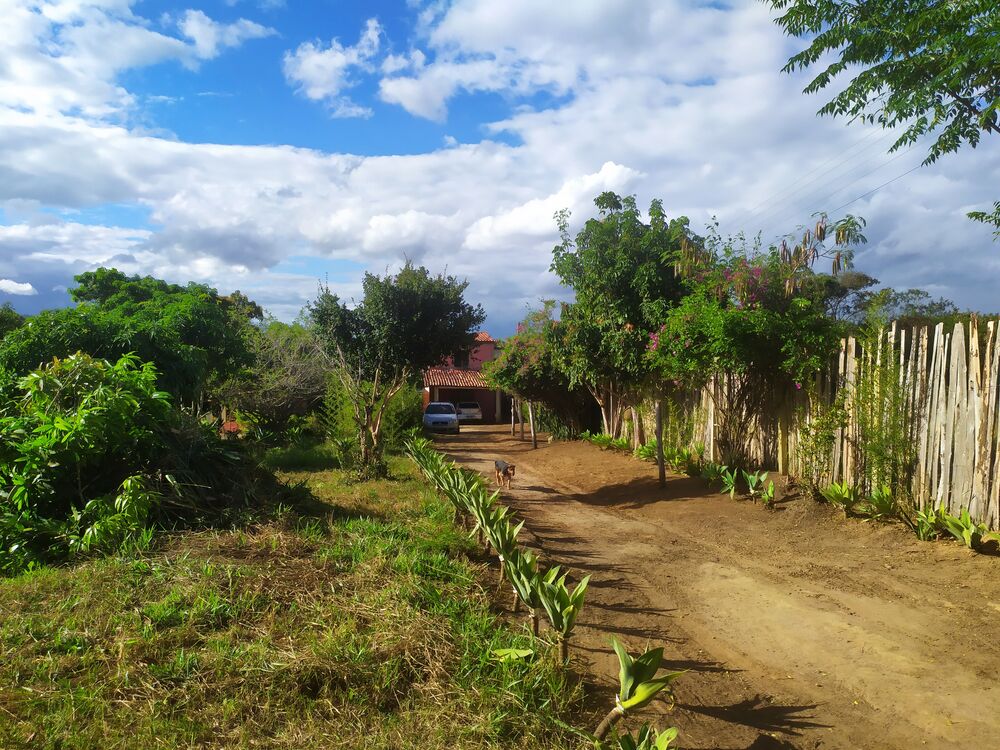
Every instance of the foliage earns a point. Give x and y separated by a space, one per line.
404 324
527 365
817 436
9 319
925 67
72 455
881 504
646 451
605 441
756 485
285 378
638 684
882 414
969 532
928 524
398 653
648 738
622 272
842 495
195 337
712 472
729 479
751 317
562 606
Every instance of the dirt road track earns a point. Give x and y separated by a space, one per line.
800 629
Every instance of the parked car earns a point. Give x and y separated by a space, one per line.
441 416
469 411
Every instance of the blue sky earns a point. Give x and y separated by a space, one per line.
266 145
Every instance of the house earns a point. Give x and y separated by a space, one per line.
460 378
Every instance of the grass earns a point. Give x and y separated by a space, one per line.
359 623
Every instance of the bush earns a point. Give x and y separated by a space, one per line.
73 449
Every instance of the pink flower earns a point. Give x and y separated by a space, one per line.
798 386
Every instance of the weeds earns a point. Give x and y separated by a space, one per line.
729 479
841 495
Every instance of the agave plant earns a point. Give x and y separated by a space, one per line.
712 472
729 478
562 607
523 575
970 533
502 536
755 483
928 523
881 505
841 494
638 684
648 738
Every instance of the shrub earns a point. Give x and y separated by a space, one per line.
72 452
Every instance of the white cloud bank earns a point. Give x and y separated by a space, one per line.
663 99
12 287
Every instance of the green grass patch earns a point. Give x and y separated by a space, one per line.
358 624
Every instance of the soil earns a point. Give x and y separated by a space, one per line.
798 628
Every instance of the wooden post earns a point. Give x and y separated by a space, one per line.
512 405
660 464
531 421
783 437
520 416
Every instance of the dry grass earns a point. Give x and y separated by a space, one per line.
355 621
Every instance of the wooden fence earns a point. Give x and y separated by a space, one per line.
947 396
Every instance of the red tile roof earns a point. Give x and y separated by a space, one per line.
482 337
447 377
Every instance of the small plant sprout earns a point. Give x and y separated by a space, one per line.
881 505
562 606
970 533
729 478
842 495
712 472
767 495
928 523
648 738
638 685
755 483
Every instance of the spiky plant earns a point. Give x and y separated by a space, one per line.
638 684
648 738
562 607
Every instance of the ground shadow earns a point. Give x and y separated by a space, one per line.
644 491
756 712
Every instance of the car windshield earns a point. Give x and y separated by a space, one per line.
440 409
468 405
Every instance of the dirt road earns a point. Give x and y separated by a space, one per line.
800 629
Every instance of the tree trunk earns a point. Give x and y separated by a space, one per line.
564 649
660 463
534 622
638 433
520 416
512 417
531 421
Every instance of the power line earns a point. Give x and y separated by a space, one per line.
887 182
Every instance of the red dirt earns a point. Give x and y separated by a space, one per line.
800 629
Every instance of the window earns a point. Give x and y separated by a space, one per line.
440 409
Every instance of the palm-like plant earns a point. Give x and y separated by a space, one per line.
522 572
638 684
562 607
502 536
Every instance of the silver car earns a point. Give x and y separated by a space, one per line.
440 416
469 411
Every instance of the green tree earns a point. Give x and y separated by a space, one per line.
195 337
403 325
9 319
928 66
622 271
527 366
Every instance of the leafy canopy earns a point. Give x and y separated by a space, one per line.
927 66
194 336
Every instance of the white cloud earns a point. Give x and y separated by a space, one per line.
210 37
322 73
669 101
12 287
66 55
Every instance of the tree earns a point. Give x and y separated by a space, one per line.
623 273
9 319
929 66
287 376
196 338
526 365
403 325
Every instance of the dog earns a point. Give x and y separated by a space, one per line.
504 472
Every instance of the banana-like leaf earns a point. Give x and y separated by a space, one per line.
513 654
